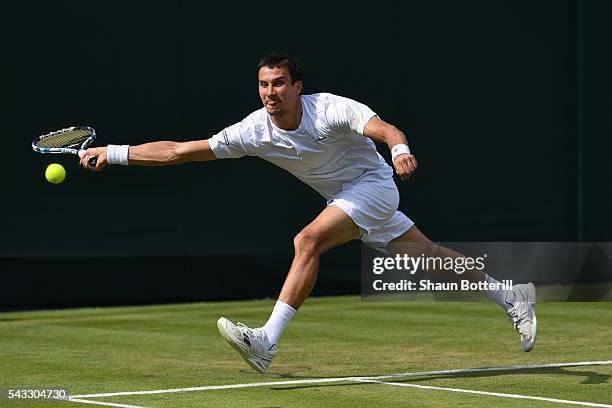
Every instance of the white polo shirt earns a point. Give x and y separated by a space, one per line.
326 151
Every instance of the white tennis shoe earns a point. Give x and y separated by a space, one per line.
252 344
522 314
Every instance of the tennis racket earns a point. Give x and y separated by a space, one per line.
71 140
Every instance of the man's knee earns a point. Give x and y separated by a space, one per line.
307 243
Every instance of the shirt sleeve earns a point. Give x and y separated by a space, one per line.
232 142
345 112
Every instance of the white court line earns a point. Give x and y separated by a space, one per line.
347 379
495 394
108 404
221 387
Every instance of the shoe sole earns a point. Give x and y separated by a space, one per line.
232 343
534 323
535 334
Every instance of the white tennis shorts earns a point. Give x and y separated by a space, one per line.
372 203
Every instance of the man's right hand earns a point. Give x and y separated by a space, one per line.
99 153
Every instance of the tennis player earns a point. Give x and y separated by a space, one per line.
326 141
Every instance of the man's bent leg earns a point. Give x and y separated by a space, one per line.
258 346
331 228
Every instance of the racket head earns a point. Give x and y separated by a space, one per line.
68 140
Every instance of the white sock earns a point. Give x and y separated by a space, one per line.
278 321
503 298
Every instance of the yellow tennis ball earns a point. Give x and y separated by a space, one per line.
55 173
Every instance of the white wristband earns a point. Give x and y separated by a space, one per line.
399 149
117 154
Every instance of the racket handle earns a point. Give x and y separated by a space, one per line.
92 161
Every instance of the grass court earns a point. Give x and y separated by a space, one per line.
338 352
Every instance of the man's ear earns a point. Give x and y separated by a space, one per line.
300 85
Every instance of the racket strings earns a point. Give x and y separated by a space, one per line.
68 138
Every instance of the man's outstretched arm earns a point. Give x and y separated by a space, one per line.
378 130
155 154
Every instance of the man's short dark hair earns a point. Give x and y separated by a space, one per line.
280 59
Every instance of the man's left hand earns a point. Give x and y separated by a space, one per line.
405 165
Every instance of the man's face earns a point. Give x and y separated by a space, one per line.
277 93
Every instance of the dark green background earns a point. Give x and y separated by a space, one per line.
506 106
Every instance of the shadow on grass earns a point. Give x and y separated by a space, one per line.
592 377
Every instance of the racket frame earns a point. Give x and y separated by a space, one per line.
65 150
